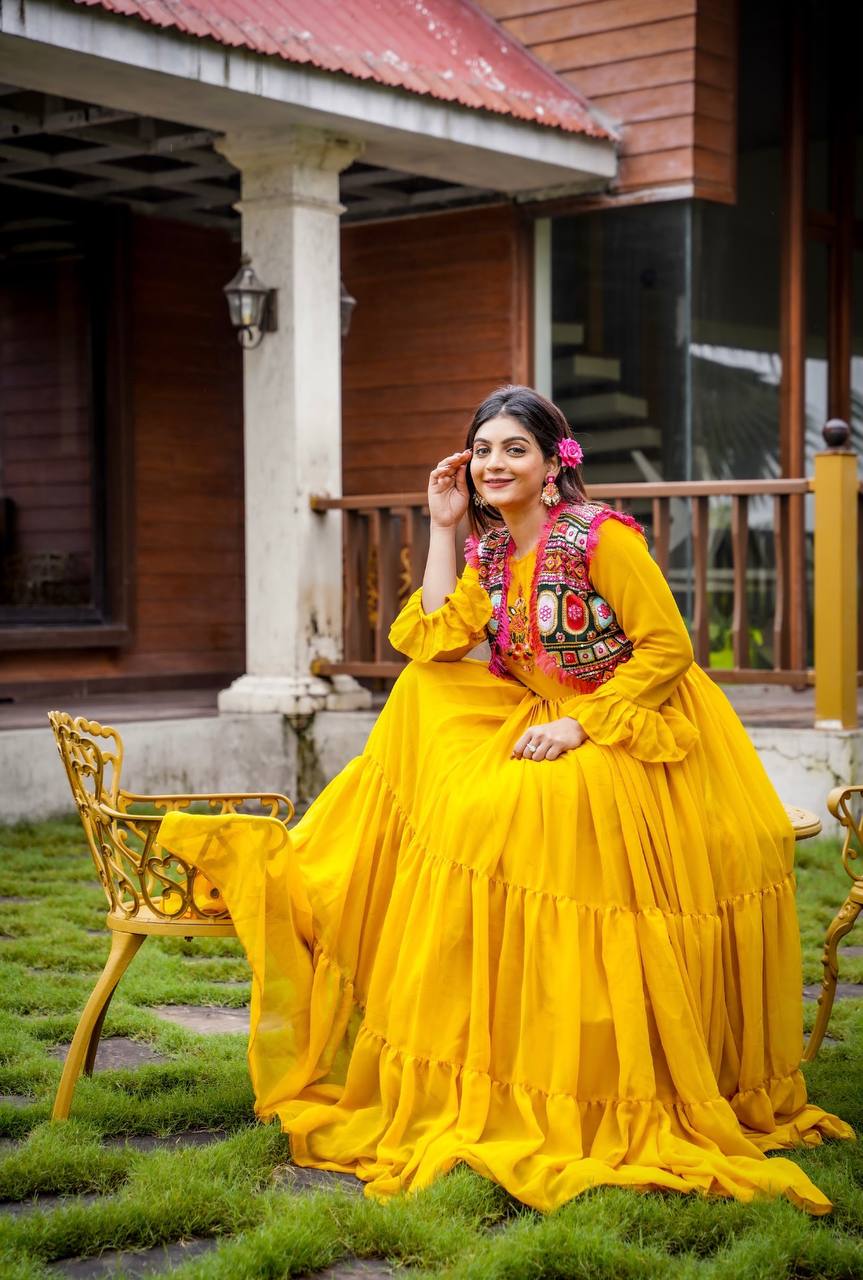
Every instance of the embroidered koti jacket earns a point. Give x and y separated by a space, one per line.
629 707
574 632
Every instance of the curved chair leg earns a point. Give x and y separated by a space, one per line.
842 924
82 1050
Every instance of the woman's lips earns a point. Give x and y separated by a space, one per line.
497 484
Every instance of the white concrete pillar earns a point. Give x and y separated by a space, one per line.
290 210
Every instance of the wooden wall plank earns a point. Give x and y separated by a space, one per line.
671 167
634 74
641 41
558 20
654 103
650 136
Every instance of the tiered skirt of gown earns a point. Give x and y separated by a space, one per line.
564 974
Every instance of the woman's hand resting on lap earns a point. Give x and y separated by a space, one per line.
548 741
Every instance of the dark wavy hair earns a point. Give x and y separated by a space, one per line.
546 424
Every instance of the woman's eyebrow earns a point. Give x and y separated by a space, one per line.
508 440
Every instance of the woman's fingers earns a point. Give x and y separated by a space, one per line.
534 745
550 741
452 465
531 745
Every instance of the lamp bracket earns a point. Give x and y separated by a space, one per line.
270 318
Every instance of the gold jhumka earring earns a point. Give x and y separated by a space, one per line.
550 495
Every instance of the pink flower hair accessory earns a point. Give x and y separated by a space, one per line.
569 451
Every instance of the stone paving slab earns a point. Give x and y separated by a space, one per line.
22 1208
16 1100
844 991
172 1142
116 1053
354 1269
292 1177
134 1262
206 1020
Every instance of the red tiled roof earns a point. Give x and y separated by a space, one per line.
447 49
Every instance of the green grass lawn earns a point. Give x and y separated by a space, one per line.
463 1227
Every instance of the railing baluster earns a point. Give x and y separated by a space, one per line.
700 616
418 540
389 576
859 583
740 555
354 603
374 573
661 531
798 595
780 558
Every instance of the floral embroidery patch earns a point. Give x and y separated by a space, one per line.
519 648
546 612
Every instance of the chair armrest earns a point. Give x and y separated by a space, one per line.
837 801
279 806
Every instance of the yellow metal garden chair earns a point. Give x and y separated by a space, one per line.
149 890
842 803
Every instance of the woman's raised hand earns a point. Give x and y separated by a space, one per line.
447 495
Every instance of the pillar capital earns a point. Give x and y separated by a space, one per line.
288 164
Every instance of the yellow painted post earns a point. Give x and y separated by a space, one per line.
836 489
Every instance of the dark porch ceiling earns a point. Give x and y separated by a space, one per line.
166 169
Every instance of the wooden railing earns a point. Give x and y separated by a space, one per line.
386 540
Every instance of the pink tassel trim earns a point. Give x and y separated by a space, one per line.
471 550
501 641
609 513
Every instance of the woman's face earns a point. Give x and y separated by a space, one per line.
507 466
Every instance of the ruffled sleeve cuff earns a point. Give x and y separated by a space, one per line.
657 737
459 622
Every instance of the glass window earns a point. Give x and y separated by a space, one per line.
820 88
857 354
48 516
620 338
817 359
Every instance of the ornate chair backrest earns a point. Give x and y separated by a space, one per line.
92 756
141 880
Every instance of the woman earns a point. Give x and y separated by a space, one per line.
545 923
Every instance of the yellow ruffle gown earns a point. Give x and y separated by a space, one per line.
565 973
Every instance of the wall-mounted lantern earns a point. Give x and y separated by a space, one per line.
251 305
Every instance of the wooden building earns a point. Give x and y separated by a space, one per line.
688 287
